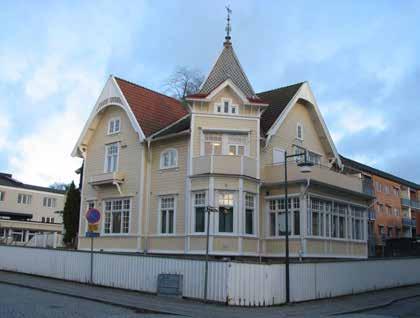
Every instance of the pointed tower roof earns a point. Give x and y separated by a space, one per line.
226 67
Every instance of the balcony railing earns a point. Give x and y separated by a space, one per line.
275 173
371 215
406 222
107 179
410 203
230 165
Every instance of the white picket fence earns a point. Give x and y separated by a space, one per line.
241 284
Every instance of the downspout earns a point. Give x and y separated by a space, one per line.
148 192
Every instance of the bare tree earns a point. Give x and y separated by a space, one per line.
183 82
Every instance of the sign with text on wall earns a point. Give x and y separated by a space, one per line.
93 216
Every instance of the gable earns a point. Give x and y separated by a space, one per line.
304 95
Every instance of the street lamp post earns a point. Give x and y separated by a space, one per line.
305 167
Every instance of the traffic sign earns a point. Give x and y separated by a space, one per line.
92 234
93 216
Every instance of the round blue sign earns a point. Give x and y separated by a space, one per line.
93 216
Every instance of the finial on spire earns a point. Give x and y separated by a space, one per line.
228 27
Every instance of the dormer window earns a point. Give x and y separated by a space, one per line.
299 131
114 126
226 107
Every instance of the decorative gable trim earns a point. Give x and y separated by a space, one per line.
111 95
304 92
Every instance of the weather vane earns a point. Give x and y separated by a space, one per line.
228 28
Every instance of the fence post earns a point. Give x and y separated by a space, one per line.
55 240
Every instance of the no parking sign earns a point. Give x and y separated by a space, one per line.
93 216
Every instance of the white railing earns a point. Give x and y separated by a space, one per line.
51 240
223 164
240 284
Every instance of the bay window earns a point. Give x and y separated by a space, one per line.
199 212
226 204
249 213
117 216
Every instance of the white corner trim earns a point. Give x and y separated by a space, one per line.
96 109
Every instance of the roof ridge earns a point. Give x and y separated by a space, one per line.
149 89
382 171
278 88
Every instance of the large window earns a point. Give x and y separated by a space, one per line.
226 144
117 216
226 204
114 126
169 159
357 223
167 214
24 198
277 211
249 213
199 212
111 157
49 202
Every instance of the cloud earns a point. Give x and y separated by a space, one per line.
346 118
12 66
4 128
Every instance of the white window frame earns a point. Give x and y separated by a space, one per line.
162 158
292 210
225 143
2 195
254 213
121 233
159 223
299 125
195 205
112 122
234 211
49 202
24 198
107 147
231 107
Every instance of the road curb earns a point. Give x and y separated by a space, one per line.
106 302
373 307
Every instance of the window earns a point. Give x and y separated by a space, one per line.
167 215
24 198
278 156
52 220
357 223
169 159
277 211
249 213
299 131
314 158
49 202
226 107
338 220
117 216
90 205
317 207
111 157
226 212
43 219
2 195
212 144
200 212
226 144
114 126
396 191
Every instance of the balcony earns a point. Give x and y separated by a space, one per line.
371 215
110 178
407 222
230 165
322 174
410 203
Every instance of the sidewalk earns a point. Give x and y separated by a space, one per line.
190 308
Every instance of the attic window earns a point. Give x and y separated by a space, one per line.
299 131
114 126
226 107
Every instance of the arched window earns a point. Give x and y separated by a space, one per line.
169 159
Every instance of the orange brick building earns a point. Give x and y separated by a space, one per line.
395 212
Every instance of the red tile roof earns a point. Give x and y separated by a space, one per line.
153 110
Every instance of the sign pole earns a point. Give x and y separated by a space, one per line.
91 260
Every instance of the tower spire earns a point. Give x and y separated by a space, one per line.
228 28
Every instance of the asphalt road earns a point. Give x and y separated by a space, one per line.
19 302
408 308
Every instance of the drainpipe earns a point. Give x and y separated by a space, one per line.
149 170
